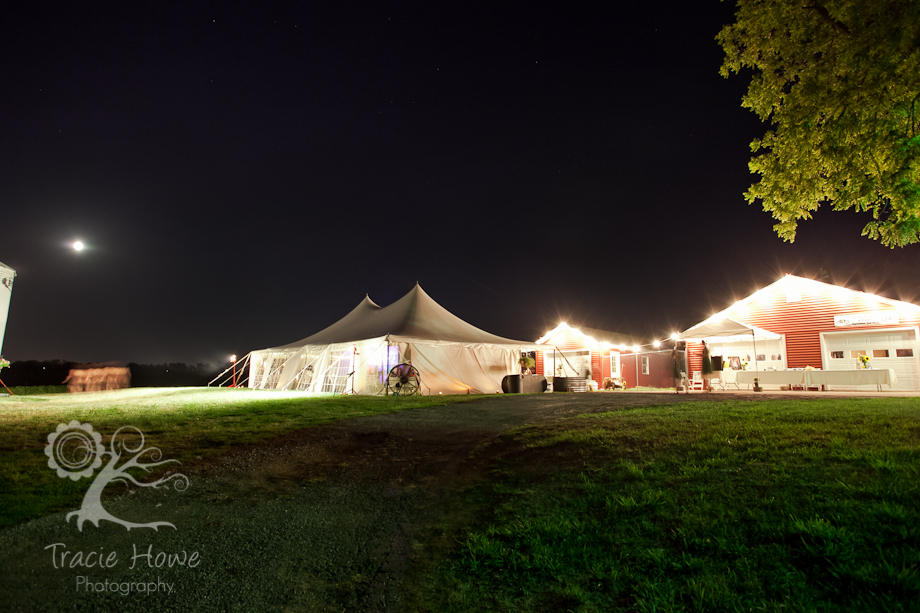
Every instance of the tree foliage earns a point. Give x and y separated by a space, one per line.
839 81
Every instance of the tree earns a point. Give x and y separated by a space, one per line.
75 451
839 81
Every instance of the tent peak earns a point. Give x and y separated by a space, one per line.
414 316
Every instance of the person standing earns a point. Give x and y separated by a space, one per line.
707 367
678 371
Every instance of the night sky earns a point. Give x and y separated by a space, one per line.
244 173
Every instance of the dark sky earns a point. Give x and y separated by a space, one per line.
244 173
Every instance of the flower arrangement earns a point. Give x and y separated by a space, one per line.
527 362
864 361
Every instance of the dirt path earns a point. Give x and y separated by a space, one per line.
323 519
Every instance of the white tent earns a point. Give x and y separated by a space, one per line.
357 352
727 330
6 291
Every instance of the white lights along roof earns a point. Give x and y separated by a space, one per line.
800 282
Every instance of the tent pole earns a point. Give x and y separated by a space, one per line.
754 342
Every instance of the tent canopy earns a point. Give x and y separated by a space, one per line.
358 351
415 316
726 329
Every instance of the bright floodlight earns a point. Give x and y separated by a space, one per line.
674 336
233 358
657 344
635 348
78 246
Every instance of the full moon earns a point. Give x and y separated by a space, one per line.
78 246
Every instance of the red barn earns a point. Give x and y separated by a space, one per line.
824 326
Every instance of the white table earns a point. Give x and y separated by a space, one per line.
807 378
848 378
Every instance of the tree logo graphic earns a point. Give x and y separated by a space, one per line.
75 451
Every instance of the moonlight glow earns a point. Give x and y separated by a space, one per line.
78 246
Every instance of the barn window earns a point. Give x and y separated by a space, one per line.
645 365
855 353
837 355
879 353
904 353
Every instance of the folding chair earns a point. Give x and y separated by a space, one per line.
696 383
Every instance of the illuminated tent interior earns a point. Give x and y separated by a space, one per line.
358 351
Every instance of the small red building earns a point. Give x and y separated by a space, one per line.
824 326
580 352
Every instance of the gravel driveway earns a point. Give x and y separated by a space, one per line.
322 519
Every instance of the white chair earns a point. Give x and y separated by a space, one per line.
729 377
696 383
715 379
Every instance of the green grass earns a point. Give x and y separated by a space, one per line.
756 506
187 424
34 390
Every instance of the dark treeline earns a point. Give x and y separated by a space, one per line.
174 374
53 372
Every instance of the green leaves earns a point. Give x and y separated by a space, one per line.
840 83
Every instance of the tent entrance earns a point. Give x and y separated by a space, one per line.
328 369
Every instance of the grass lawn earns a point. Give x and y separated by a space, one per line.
33 390
791 505
187 424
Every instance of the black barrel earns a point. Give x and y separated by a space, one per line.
512 384
534 384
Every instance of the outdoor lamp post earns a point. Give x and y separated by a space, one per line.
233 359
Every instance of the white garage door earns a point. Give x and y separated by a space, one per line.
895 349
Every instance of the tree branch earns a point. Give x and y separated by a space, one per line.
910 118
823 12
133 463
183 481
